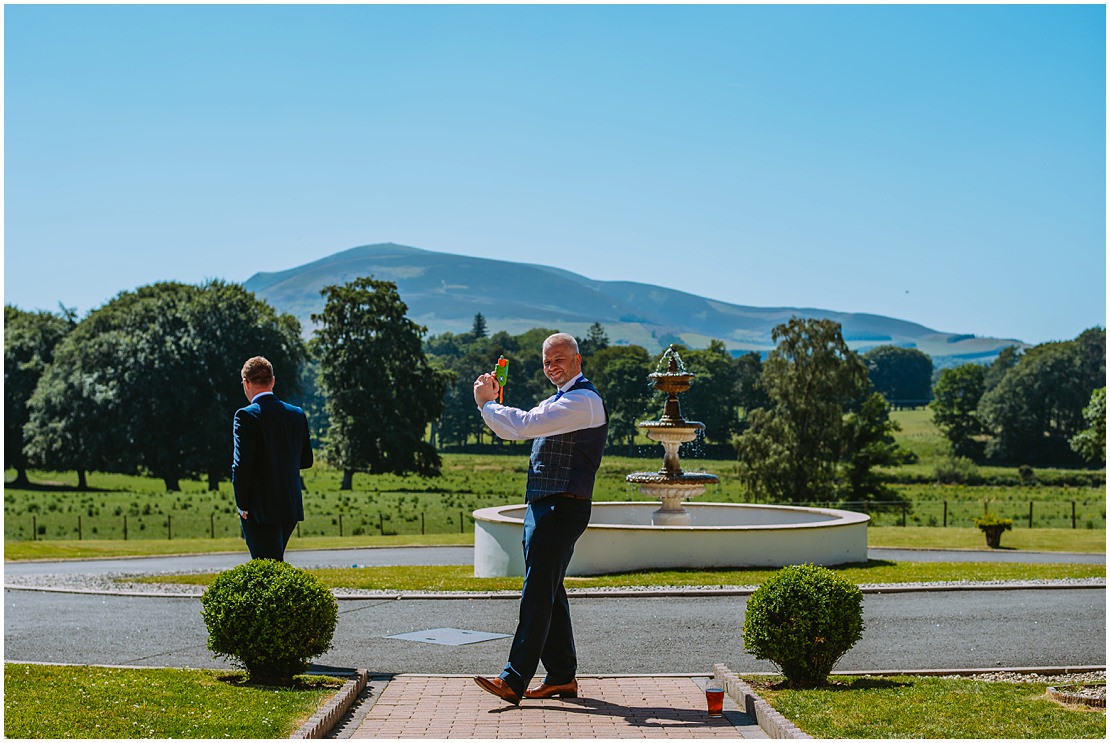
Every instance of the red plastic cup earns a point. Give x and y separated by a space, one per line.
715 700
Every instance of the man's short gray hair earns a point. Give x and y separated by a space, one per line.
561 339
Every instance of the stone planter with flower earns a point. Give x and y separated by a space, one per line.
992 526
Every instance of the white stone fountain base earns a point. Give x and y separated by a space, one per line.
621 538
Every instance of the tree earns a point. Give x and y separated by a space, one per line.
381 390
791 450
1038 406
902 375
478 330
460 420
1090 443
869 443
457 422
955 407
85 414
596 340
29 342
620 374
1006 360
529 385
227 326
750 393
714 396
149 382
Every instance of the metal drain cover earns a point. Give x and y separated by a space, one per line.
447 636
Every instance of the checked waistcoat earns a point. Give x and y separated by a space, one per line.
567 462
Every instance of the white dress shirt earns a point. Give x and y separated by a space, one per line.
560 413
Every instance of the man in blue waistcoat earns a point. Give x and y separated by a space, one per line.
568 433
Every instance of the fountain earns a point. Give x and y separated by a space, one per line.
636 535
670 484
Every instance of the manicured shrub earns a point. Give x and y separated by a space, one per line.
803 619
957 470
269 617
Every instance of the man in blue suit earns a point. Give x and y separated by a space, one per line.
271 447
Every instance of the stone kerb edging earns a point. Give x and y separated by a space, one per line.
321 723
770 720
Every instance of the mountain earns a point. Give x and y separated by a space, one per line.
444 292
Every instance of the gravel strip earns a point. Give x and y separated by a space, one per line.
1011 677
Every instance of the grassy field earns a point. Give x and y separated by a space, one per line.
921 707
42 701
1034 540
136 508
119 507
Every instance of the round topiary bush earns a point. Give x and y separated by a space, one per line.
803 619
270 617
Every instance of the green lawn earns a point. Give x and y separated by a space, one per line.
1036 540
42 701
461 577
862 707
1019 538
94 702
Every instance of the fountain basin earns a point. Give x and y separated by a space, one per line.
620 538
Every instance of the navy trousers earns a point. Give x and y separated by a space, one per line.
267 541
551 527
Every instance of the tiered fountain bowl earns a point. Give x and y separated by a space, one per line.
627 536
670 484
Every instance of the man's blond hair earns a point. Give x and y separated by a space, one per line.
257 370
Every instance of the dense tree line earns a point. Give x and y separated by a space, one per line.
148 384
1035 407
723 384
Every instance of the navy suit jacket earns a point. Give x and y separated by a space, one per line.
271 447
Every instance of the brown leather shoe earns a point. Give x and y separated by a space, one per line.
498 688
546 691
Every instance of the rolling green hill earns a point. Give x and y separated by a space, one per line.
444 292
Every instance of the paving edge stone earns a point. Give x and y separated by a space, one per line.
321 723
770 720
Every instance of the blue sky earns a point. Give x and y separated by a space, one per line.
943 164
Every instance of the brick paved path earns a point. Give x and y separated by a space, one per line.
419 706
